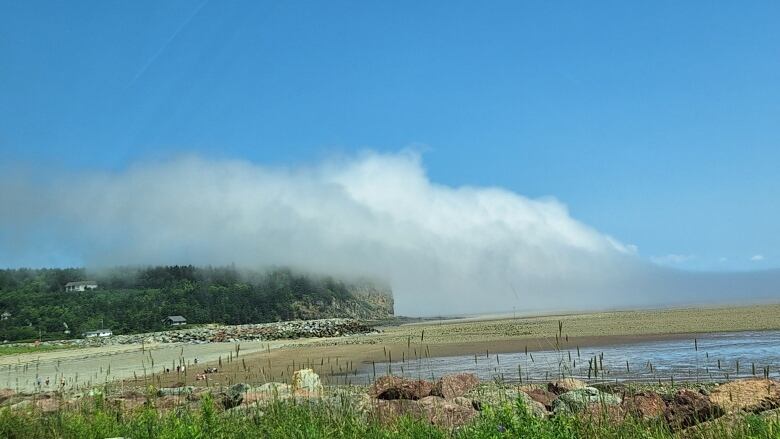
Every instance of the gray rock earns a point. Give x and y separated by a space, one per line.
577 400
234 395
512 396
175 391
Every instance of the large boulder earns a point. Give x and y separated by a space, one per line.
603 414
577 400
451 386
392 387
686 408
434 409
565 385
750 395
644 405
445 413
306 382
388 410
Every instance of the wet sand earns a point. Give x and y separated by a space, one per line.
334 359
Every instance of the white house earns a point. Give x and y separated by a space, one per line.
98 333
81 285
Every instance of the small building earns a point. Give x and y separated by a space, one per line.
83 285
5 315
98 333
175 321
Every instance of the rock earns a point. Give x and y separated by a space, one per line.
577 400
274 390
306 382
25 404
603 414
236 333
645 405
612 387
234 395
532 407
445 413
391 387
463 401
511 396
565 385
750 395
542 396
49 405
129 403
6 394
169 402
687 408
434 409
268 392
174 391
451 386
387 411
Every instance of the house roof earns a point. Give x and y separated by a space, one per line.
176 318
80 283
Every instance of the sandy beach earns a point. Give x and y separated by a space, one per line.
336 357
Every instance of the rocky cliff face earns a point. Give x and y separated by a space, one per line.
366 301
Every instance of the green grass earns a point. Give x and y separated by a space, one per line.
300 420
27 349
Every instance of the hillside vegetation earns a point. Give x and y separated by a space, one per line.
136 300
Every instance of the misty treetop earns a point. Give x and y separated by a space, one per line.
138 299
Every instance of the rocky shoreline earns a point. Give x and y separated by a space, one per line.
232 333
455 400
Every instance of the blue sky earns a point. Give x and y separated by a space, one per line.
655 122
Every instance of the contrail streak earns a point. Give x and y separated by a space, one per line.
165 45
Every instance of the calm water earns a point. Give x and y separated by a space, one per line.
680 359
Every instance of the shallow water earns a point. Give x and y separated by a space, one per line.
713 357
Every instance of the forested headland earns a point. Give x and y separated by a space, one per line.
34 303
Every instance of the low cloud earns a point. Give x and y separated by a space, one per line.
757 258
444 250
672 259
